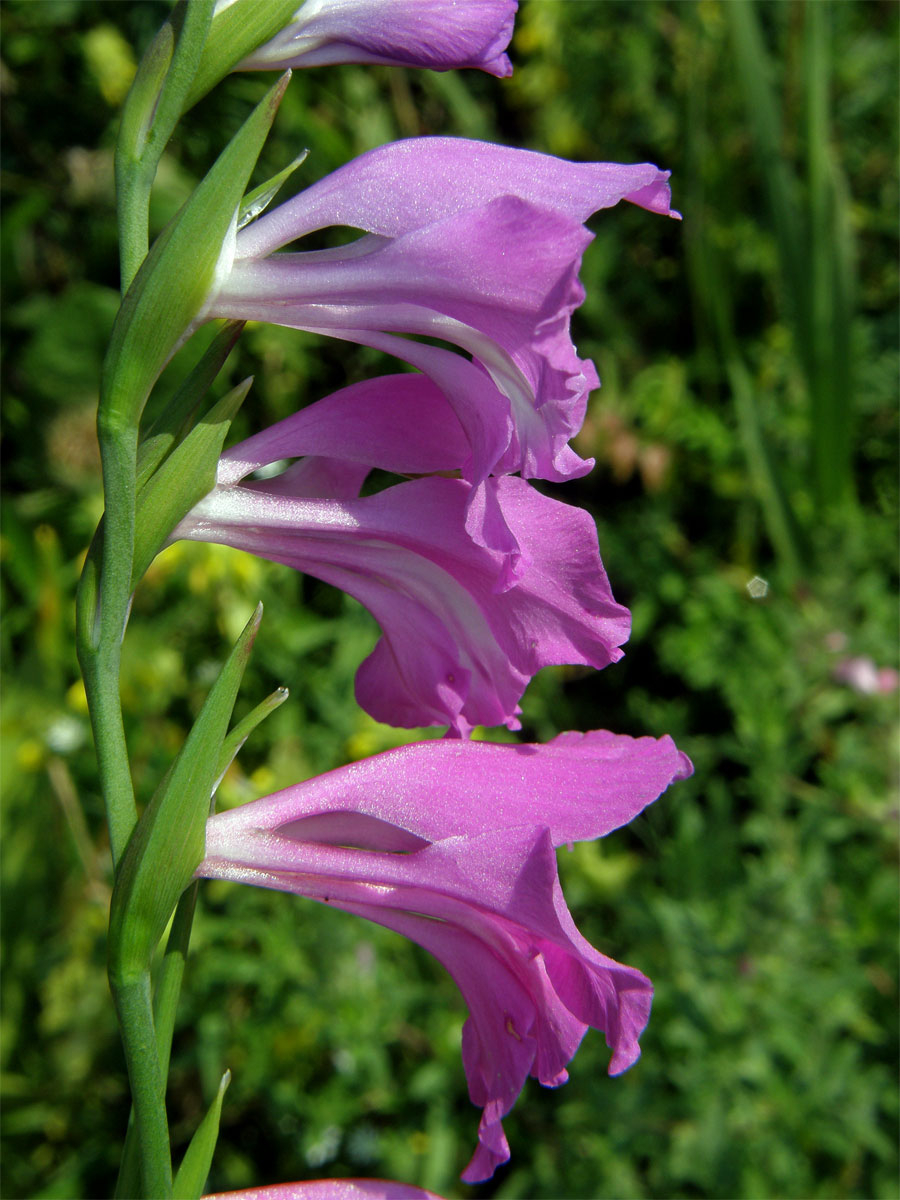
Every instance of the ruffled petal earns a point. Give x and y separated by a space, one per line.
406 185
580 786
464 279
476 245
457 649
488 905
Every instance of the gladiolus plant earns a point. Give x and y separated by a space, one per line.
465 268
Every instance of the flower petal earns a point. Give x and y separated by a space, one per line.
400 423
438 34
453 419
580 785
406 185
464 279
477 245
330 1189
456 650
487 903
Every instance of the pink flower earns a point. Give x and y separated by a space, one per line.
440 34
331 1189
861 674
473 244
452 844
463 631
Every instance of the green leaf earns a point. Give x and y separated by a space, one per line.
198 1157
232 745
260 198
143 96
168 841
192 21
172 424
829 282
236 32
163 78
178 274
184 478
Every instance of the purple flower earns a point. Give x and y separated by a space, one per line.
440 34
330 1189
473 244
452 845
462 636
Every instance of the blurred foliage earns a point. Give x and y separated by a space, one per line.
761 896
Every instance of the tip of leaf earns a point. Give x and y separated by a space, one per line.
250 630
227 408
279 88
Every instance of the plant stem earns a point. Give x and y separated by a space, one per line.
133 202
165 1001
135 1010
101 685
102 611
151 113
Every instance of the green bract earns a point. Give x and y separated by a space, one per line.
184 478
137 114
235 33
168 841
172 286
156 97
149 118
199 1155
260 198
177 418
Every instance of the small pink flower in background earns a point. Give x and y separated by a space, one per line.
439 34
861 674
330 1189
465 625
452 844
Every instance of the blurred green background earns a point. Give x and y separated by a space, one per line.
746 427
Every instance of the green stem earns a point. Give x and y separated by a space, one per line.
133 188
129 1179
134 176
148 120
149 117
100 670
101 684
134 1006
165 1002
118 452
101 613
